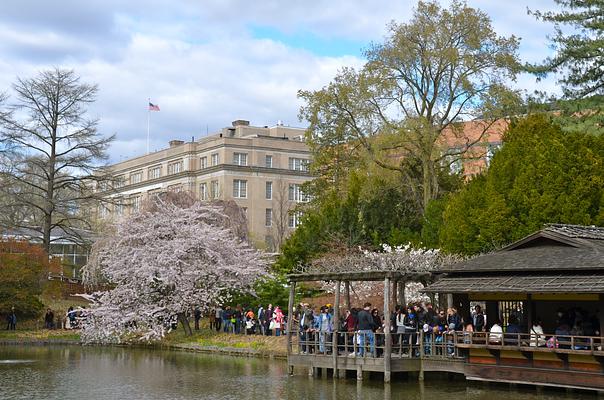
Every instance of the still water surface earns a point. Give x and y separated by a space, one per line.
90 373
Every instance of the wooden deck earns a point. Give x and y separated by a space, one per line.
518 364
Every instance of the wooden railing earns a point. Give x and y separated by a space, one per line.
441 345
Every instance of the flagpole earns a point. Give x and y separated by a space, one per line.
148 115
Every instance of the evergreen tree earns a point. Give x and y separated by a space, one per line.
541 175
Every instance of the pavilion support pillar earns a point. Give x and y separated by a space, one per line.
530 315
464 308
387 341
347 295
601 316
449 300
335 321
395 299
492 311
289 328
401 293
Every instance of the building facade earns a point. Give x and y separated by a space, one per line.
261 168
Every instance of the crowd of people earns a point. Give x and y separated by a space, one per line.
359 329
245 320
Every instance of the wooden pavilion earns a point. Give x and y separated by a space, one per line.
558 268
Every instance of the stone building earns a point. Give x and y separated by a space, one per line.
261 168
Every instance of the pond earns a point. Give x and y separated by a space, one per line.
90 373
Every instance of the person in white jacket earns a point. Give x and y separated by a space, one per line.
537 336
496 333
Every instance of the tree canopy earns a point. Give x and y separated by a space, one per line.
22 269
444 66
541 175
52 154
578 62
164 261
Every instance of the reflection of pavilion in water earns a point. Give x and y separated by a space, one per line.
558 268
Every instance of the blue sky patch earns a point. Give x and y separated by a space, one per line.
334 47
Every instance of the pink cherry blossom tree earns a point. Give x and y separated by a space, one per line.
164 261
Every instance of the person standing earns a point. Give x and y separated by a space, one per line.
366 326
261 315
11 320
218 318
197 315
49 319
278 320
268 317
478 319
323 327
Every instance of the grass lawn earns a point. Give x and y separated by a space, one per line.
41 334
206 337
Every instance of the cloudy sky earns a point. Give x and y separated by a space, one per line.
208 62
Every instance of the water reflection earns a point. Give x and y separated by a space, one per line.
92 373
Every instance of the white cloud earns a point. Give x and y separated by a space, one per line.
199 60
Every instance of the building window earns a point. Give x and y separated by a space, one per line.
268 161
492 148
215 159
136 177
119 208
268 217
154 172
294 219
175 188
203 162
120 181
269 190
298 164
103 211
203 191
239 188
175 167
136 202
453 159
214 189
240 159
296 194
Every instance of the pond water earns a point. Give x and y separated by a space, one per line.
90 373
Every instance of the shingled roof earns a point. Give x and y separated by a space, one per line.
555 248
592 283
557 259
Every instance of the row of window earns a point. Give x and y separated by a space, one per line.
293 218
155 172
239 190
295 192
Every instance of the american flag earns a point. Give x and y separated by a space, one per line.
153 107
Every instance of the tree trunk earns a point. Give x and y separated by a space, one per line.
185 324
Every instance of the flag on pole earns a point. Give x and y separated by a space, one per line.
153 107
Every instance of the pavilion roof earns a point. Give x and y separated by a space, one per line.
556 248
548 283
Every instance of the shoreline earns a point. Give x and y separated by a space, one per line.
220 348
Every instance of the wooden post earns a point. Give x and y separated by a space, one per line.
396 300
290 320
335 320
530 314
401 293
449 300
601 316
387 342
347 294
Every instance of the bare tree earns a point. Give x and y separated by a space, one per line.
281 210
56 154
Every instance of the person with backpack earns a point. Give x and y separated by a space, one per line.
365 326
